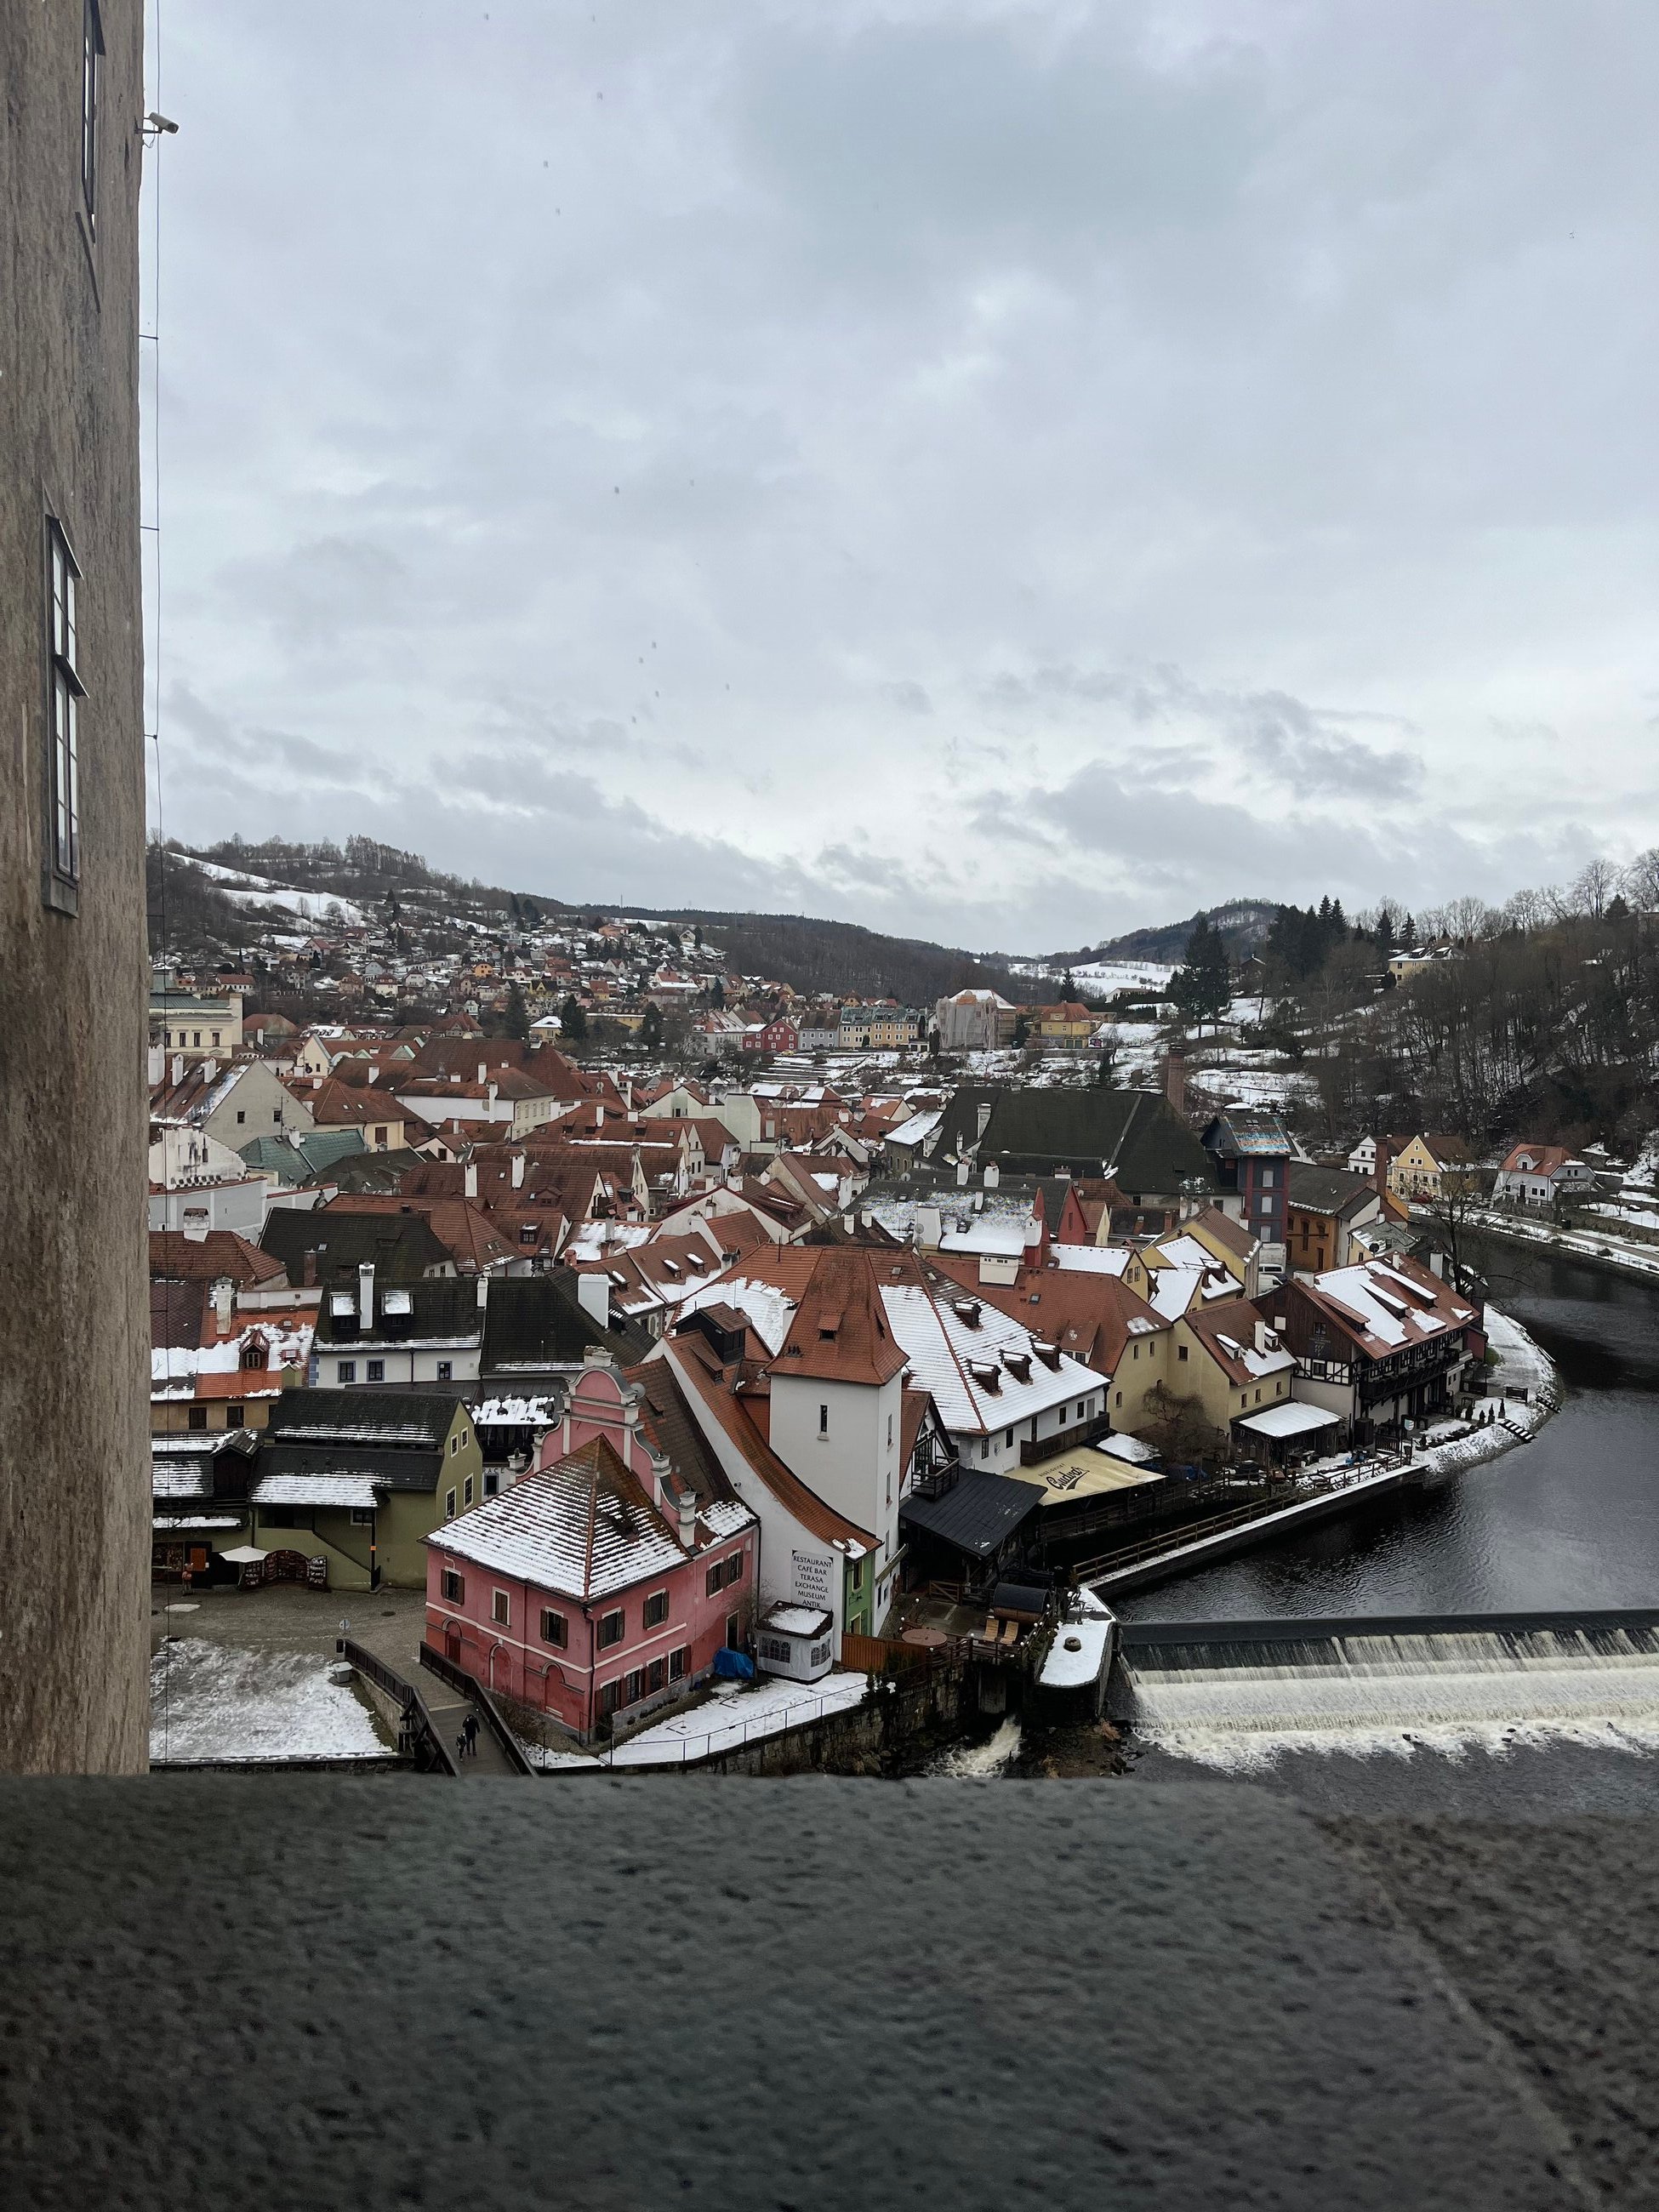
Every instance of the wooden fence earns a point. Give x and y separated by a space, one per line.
880 1655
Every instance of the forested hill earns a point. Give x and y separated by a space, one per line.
1243 923
831 957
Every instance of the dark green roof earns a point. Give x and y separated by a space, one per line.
400 1247
317 1152
534 1322
1133 1136
376 1420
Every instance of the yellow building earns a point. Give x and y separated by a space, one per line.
1416 1172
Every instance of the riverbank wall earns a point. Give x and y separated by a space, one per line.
1590 1248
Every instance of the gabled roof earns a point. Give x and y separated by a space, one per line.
977 1514
444 1308
178 1258
1334 1191
583 1528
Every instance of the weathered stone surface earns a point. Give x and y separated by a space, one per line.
74 1322
754 1993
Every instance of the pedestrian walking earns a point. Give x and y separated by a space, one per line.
460 1745
470 1730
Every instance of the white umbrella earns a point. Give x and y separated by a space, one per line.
244 1555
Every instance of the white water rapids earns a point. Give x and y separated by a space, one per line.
1240 1704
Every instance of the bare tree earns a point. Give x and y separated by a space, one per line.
1454 1210
1640 882
1529 909
1592 887
1469 919
1179 1429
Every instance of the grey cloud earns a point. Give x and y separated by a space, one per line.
1189 365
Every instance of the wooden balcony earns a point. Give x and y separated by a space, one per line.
1031 1454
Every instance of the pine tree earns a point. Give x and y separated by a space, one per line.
516 1020
573 1022
651 1027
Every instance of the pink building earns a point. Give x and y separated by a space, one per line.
601 1584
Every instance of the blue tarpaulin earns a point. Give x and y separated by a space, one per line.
734 1665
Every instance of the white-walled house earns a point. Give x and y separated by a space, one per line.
1537 1175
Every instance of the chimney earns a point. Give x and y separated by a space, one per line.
492 1092
517 1171
224 1292
962 1175
366 1294
1261 1335
373 1075
483 1071
308 1272
593 1297
1175 1081
210 1069
157 1066
470 1180
598 1113
178 1069
992 1176
687 1505
482 1292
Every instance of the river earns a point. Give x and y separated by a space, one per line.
1569 1519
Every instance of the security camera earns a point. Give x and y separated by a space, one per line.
159 122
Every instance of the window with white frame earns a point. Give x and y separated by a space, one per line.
68 690
500 1609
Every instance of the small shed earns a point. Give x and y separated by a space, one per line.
796 1641
1292 1426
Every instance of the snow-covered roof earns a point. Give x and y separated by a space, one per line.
1127 1448
916 1130
995 1236
539 1412
1090 1259
313 1489
162 1521
1290 1420
983 1373
1388 1306
768 1310
796 1620
583 1528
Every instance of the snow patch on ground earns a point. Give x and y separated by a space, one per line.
215 1701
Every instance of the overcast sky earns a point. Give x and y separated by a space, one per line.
998 470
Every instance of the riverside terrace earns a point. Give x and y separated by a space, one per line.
1211 1998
